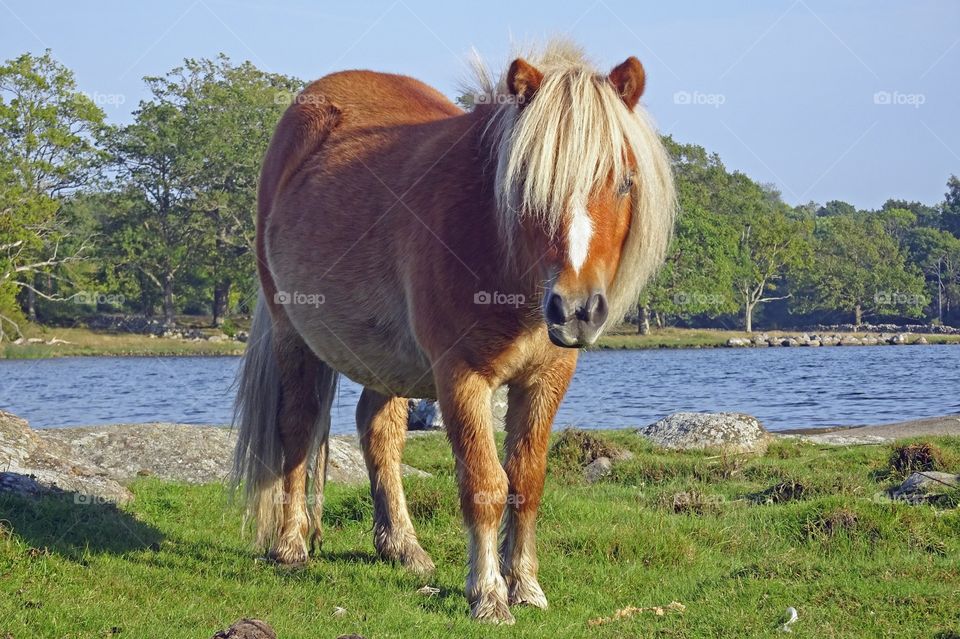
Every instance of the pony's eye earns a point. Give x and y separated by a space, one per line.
625 186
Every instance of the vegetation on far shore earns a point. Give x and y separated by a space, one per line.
156 217
735 539
86 342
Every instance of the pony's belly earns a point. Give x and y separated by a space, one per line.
385 359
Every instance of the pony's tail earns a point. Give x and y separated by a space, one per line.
258 458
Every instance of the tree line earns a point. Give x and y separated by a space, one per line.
156 217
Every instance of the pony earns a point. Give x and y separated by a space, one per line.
426 250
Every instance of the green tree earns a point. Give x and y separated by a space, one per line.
48 149
951 207
860 269
937 254
229 112
770 248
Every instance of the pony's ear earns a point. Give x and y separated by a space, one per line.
523 80
628 79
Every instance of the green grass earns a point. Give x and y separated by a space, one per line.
84 342
732 538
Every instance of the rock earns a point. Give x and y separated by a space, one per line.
247 629
921 340
33 466
737 342
598 469
187 453
688 431
869 340
424 414
926 483
900 338
774 341
850 340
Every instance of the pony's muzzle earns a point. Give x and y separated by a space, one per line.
573 322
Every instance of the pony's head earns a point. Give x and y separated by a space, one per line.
583 184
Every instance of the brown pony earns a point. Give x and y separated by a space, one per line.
425 251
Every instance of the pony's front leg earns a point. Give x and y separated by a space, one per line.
465 401
532 405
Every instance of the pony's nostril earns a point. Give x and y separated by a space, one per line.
556 311
598 302
594 312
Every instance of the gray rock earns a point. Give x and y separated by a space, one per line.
737 342
32 466
598 469
687 431
183 452
424 414
927 482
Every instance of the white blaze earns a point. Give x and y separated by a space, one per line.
578 239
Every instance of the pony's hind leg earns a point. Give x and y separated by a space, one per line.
531 408
382 424
303 423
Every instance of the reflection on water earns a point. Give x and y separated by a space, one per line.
784 387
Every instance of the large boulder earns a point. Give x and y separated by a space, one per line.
183 452
33 466
691 431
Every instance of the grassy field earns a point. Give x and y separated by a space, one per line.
735 540
82 341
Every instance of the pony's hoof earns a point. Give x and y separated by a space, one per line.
526 592
490 607
416 560
291 554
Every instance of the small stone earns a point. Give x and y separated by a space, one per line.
597 469
247 629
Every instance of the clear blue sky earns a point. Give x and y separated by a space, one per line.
783 90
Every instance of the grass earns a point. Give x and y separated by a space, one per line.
731 538
83 341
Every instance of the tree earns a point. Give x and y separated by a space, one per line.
951 207
48 148
229 113
937 254
160 234
770 247
860 269
835 208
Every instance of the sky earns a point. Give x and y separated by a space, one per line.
853 100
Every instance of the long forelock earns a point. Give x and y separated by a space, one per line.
560 148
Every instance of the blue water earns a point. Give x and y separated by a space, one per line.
784 387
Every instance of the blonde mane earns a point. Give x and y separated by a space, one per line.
567 142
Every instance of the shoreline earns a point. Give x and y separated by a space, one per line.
936 425
76 342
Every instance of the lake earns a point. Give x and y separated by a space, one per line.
784 387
